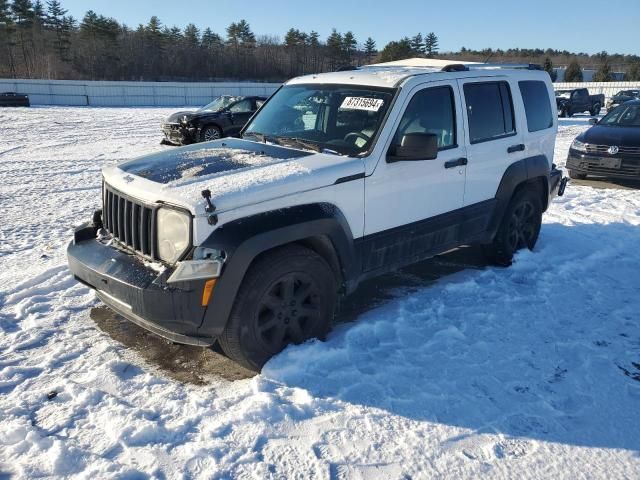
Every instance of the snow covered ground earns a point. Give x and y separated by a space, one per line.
526 372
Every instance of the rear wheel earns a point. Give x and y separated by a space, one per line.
576 175
209 133
288 296
595 110
519 229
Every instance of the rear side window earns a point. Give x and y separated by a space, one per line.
489 110
537 105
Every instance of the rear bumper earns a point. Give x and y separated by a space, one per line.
557 183
138 292
592 165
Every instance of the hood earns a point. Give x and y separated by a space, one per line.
237 172
619 136
190 114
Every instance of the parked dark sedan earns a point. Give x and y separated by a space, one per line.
621 97
224 117
12 99
611 148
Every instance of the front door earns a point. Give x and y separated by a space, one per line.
410 206
240 113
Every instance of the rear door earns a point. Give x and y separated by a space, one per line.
494 141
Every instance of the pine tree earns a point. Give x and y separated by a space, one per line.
633 72
431 44
396 50
573 73
548 67
349 44
334 49
417 44
604 73
369 49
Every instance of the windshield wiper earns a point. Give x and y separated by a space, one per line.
300 143
261 137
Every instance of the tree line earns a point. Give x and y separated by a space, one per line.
40 40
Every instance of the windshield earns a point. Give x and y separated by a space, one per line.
339 118
628 93
218 104
622 116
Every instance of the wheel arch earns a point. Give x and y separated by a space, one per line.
321 227
531 172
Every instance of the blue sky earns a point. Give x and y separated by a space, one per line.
578 26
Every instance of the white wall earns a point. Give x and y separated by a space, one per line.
608 88
122 94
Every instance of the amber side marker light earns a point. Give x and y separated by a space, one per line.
207 291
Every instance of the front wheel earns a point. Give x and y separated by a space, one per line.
288 296
209 133
519 228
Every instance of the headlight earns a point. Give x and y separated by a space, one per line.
173 234
579 146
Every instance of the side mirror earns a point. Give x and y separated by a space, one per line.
414 146
593 121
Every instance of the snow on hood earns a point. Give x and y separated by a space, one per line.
237 172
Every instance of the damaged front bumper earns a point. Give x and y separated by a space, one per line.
138 290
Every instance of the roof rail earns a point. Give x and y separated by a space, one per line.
460 67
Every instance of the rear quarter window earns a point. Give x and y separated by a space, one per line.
489 111
537 105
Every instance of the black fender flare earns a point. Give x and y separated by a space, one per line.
528 169
244 239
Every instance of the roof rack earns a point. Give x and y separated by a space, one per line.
461 67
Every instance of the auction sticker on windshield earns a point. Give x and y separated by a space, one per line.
362 103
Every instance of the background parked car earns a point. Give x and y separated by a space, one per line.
578 101
224 117
13 99
611 148
621 97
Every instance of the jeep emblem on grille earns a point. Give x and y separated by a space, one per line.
129 178
612 150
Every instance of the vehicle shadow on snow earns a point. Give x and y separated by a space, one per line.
547 349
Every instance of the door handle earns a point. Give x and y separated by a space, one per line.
516 148
458 162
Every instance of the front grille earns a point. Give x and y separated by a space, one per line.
627 168
604 149
129 221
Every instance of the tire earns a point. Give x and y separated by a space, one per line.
287 296
576 175
595 110
520 228
564 113
209 133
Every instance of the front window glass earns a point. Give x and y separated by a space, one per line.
430 111
622 116
241 107
340 118
219 104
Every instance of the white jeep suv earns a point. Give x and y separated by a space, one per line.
337 178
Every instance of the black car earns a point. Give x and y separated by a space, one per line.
621 97
224 117
578 100
13 99
611 148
